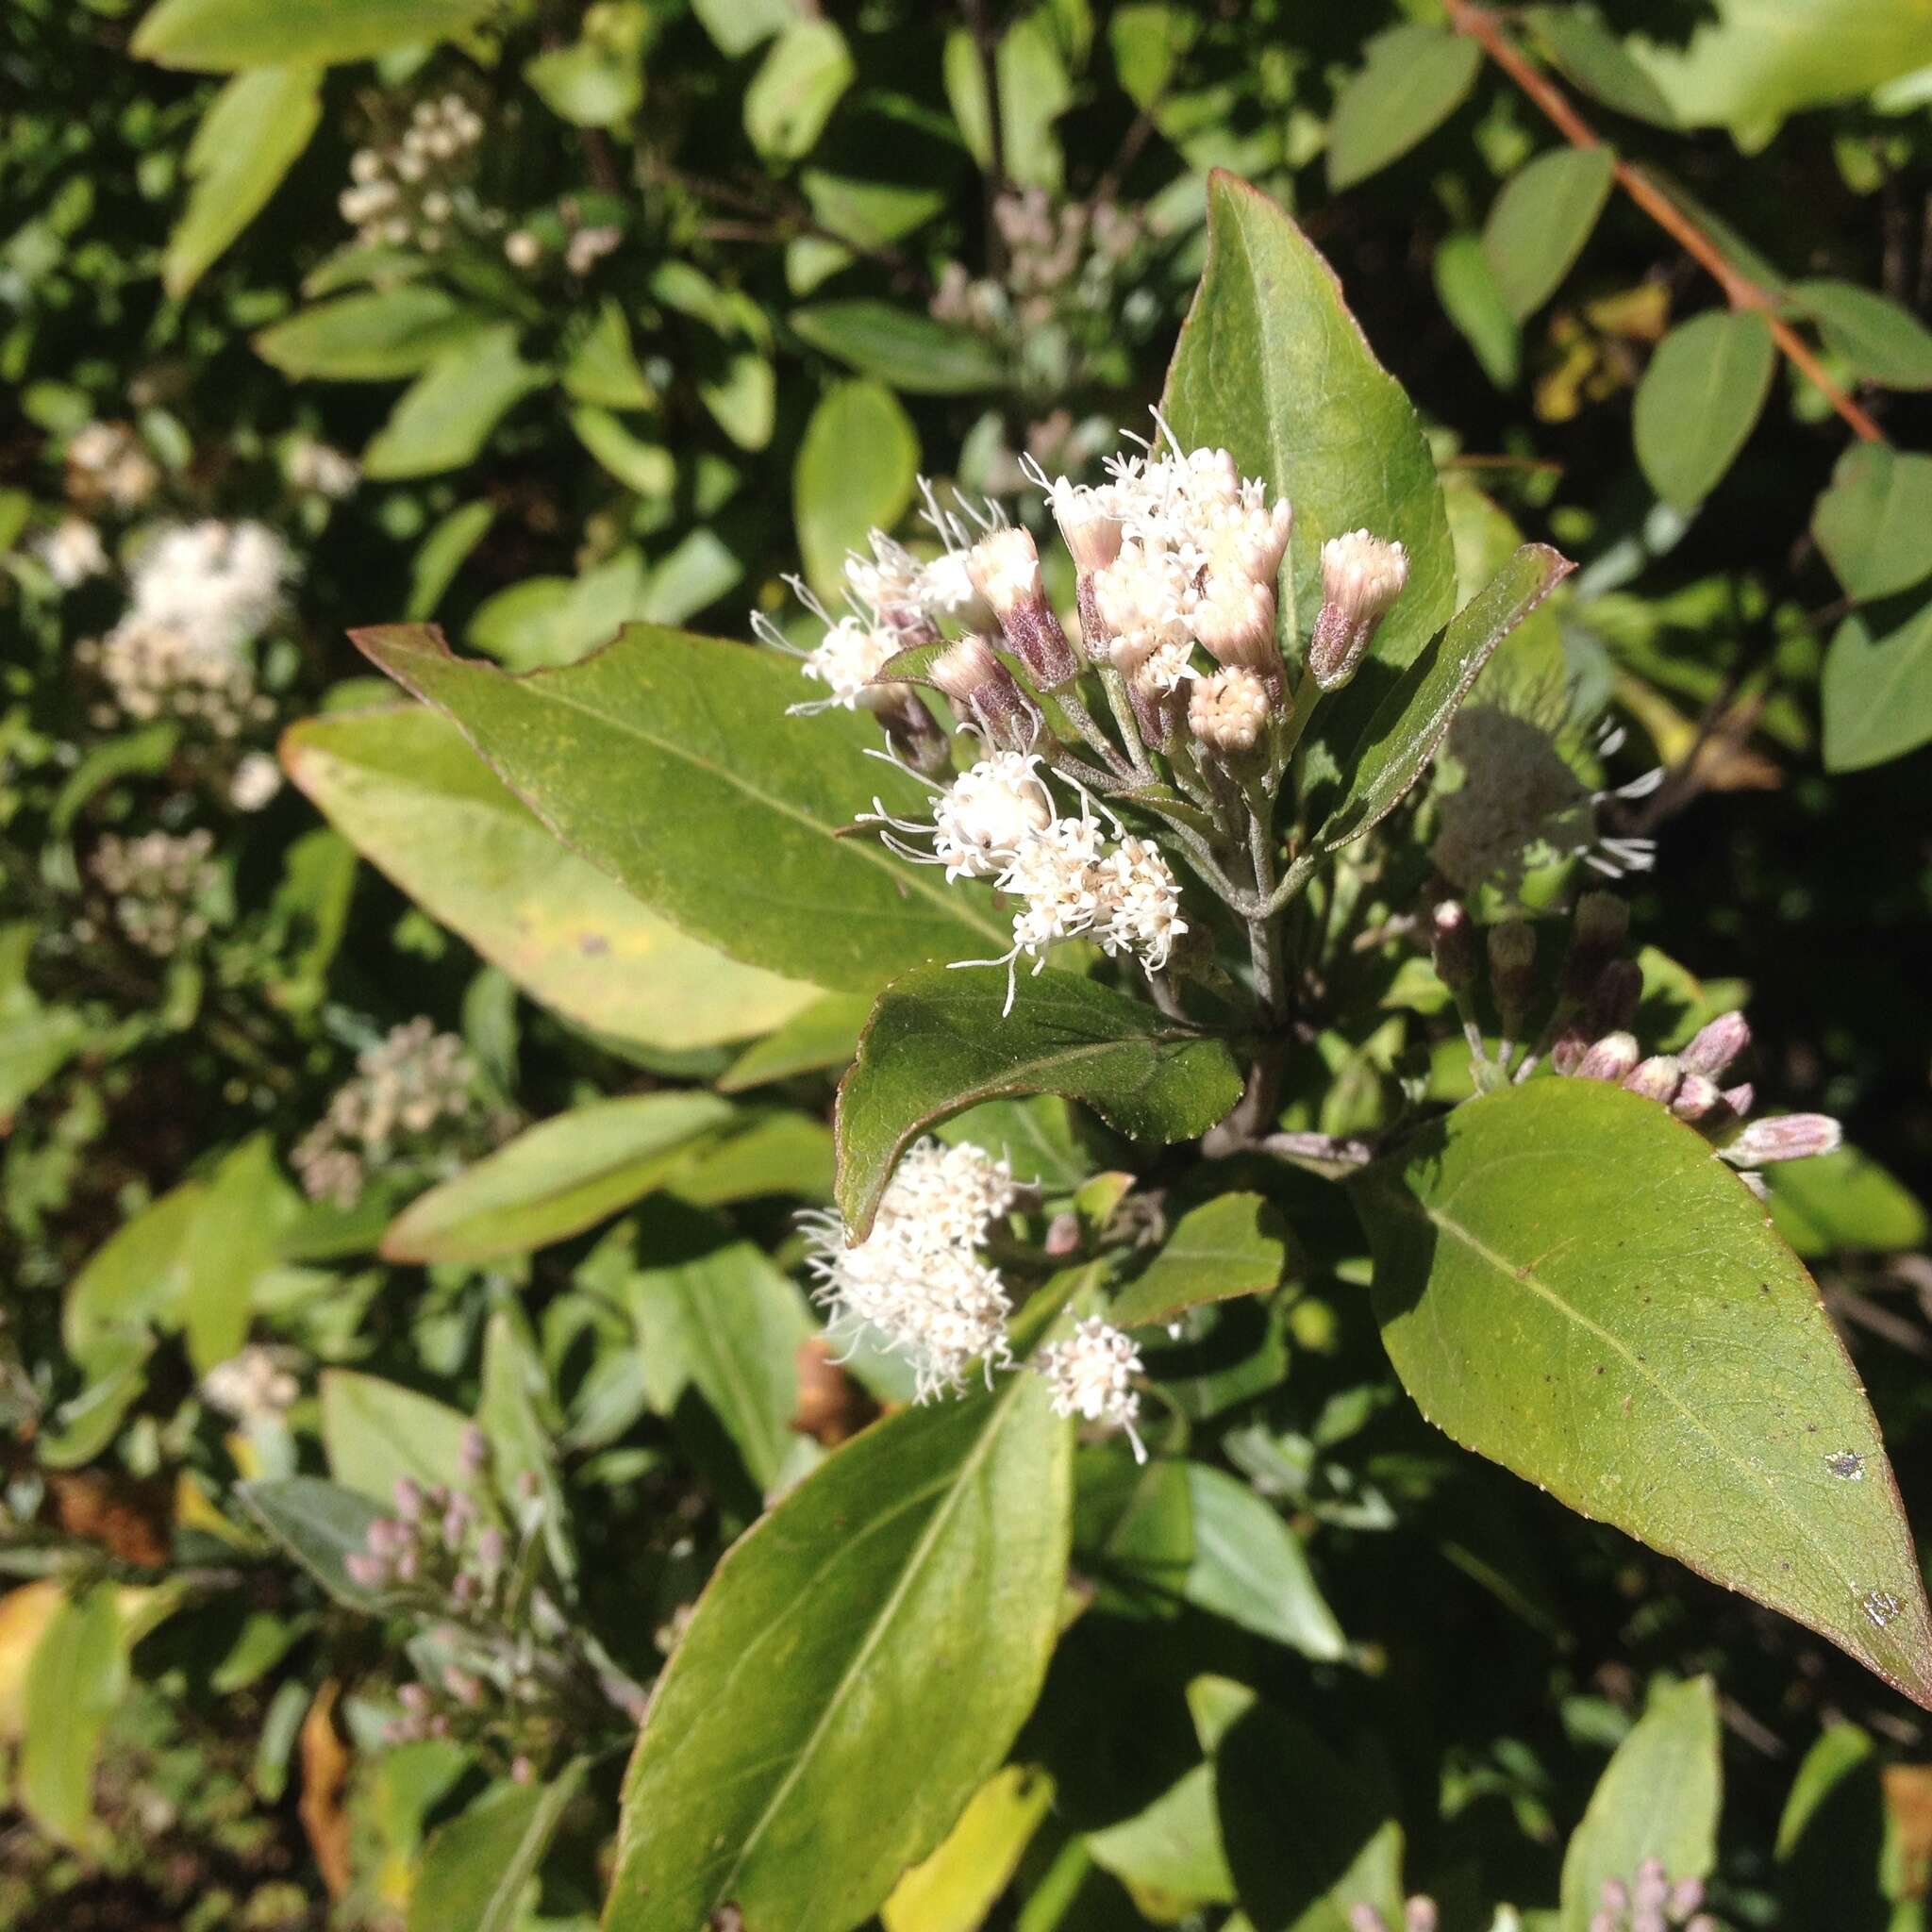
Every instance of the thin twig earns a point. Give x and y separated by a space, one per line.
1740 291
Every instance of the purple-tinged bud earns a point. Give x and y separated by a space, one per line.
1703 1922
1742 1098
409 1565
409 1495
456 1519
1420 1914
1614 1000
387 1537
1063 1236
912 731
1361 577
1784 1136
1568 1049
414 1698
474 1454
1452 946
439 1725
1687 1895
465 1688
1656 1078
1235 625
1698 1100
1717 1046
492 1549
521 1771
1615 1895
983 691
528 1486
1648 1919
1365 1918
1613 1057
1605 1922
1652 1887
367 1572
1513 972
1005 569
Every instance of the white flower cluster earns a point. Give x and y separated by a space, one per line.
255 1386
201 593
106 463
917 1281
407 1087
412 192
73 551
310 464
157 883
997 821
1092 1375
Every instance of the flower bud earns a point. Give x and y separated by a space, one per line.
1784 1136
1419 1914
1656 1078
979 685
1365 1918
1687 1895
387 1537
1613 1057
492 1548
1452 946
368 1571
1235 624
1597 934
1361 577
1005 569
1229 711
465 1688
1512 970
409 1495
1568 1049
1648 1919
521 1771
473 1454
1652 1887
1088 527
1742 1098
1717 1046
414 1698
1697 1098
1615 1895
1614 999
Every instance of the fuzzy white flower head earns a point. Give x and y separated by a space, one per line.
73 551
1056 874
889 582
846 661
1229 711
988 813
946 591
253 1386
217 584
1004 567
323 468
946 1196
257 780
1139 904
1091 1373
1089 525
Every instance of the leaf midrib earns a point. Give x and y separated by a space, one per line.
882 1621
1526 1277
963 912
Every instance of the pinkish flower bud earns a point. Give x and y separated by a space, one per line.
1717 1046
982 690
1613 1057
1568 1049
1648 1919
1615 1895
521 1771
1365 1918
409 1495
1452 946
409 1565
492 1549
473 1451
369 1573
465 1688
1687 1895
414 1698
1656 1078
1784 1136
1742 1098
1698 1099
387 1537
1361 577
1652 1887
1235 625
1615 1001
1419 1914
1005 569
1512 970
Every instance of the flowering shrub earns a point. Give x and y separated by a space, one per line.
878 913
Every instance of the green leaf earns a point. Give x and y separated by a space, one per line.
718 795
1570 1282
743 401
376 1432
908 350
598 80
78 1675
783 1154
735 1323
1876 687
219 36
414 799
824 1034
1035 90
1272 366
1541 221
555 1180
443 553
856 466
373 336
319 1524
1415 78
1170 1853
515 1409
957 1886
937 1042
854 1671
1308 1833
239 1221
134 1281
1400 738
649 468
1466 287
1699 400
1590 54
476 1868
1843 1203
1658 1799
246 143
603 366
1874 523
443 419
544 622
1884 342
736 27
34 1046
1234 1245
800 79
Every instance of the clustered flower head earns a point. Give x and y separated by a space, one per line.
500 1668
410 1090
108 465
1061 258
310 464
257 1385
158 885
416 190
920 1285
73 551
1650 1902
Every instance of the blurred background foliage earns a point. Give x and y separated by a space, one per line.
536 319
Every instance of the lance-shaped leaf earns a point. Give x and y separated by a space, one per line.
1235 1244
938 1043
1272 366
1397 739
1569 1281
406 791
555 1179
854 1671
668 762
477 1868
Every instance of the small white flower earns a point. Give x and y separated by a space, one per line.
73 551
521 249
988 813
323 468
850 655
257 780
217 584
1092 1375
1140 903
254 1386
